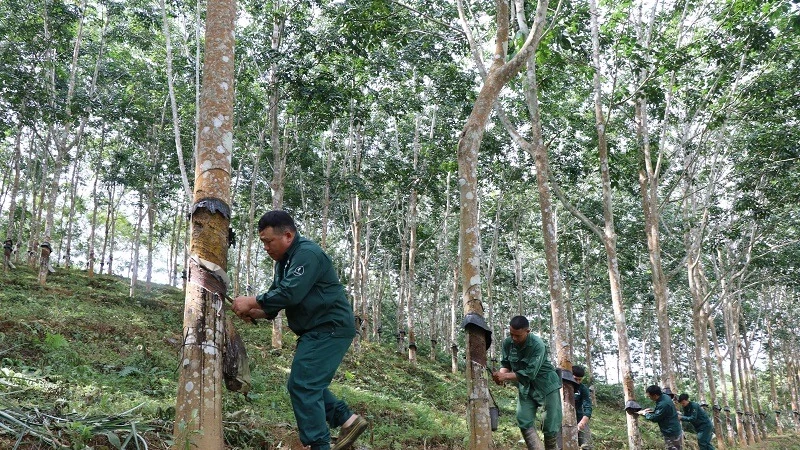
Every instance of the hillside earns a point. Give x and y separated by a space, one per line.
82 365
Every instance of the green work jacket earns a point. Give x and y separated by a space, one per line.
536 376
694 414
666 415
305 284
583 402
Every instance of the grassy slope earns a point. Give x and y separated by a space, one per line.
81 364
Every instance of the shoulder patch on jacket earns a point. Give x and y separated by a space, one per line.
298 271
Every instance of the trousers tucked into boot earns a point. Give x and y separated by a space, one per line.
531 439
551 442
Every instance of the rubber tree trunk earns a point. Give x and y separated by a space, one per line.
728 434
561 330
412 251
198 416
609 238
453 307
402 287
469 244
773 388
137 234
63 146
12 197
277 185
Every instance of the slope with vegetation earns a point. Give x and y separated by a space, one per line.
82 365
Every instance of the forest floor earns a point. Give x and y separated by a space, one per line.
84 366
782 442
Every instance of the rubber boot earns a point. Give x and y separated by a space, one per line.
552 442
532 439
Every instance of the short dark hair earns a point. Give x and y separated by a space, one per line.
683 397
578 371
653 390
278 220
519 323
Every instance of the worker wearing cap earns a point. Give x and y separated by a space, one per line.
583 408
666 416
694 414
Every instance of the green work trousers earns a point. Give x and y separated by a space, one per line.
704 438
551 412
316 359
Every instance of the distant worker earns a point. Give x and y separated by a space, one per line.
583 408
694 414
666 416
305 284
525 361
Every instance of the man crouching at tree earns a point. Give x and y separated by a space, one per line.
305 284
525 360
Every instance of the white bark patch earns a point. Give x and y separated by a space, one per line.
475 280
209 350
462 181
189 386
550 230
207 165
218 121
227 141
225 59
469 196
220 149
224 86
186 362
206 129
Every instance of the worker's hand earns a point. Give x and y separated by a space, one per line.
247 309
496 377
642 412
499 378
583 423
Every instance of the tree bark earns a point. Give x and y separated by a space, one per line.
176 120
470 250
279 151
137 233
63 145
561 334
412 248
12 204
609 239
198 416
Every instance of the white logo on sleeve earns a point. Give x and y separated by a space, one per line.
298 271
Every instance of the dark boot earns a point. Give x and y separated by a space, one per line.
552 442
532 439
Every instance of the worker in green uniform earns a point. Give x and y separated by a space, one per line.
525 361
583 408
694 414
666 416
306 286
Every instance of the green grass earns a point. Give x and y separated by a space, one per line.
82 365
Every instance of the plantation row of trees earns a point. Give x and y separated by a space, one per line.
624 174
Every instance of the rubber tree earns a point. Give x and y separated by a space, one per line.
198 411
469 142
